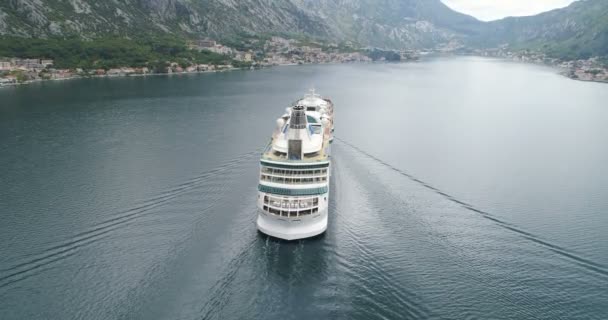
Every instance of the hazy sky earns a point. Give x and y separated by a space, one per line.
497 9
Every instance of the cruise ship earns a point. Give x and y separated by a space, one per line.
295 168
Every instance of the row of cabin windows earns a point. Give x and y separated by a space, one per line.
290 214
292 192
284 172
287 203
293 180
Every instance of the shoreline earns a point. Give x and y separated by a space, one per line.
560 70
17 84
583 80
567 72
126 75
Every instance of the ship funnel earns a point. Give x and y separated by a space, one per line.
297 125
298 118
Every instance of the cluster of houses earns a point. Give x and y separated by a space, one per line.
24 64
279 51
268 52
587 69
176 68
210 45
15 70
172 67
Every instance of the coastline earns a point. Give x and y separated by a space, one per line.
582 80
17 84
581 70
27 82
565 72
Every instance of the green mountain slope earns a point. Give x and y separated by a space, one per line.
578 31
383 23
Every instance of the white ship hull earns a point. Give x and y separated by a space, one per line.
287 229
289 223
295 171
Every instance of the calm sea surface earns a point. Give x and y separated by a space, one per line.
462 188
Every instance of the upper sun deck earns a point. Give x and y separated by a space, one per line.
303 134
271 154
314 102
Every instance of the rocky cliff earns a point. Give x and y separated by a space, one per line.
578 30
384 23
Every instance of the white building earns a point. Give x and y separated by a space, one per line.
5 65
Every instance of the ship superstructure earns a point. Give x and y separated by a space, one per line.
294 171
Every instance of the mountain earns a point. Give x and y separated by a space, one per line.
393 23
577 31
88 18
382 23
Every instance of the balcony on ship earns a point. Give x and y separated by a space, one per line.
291 207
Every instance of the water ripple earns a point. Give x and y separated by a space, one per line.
101 230
565 253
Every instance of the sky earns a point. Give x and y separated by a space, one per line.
487 10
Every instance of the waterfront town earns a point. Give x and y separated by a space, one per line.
592 69
15 71
281 51
272 52
276 51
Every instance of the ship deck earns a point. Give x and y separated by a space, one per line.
320 156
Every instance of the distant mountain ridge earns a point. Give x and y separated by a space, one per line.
383 23
578 30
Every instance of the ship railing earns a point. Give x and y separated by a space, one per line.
291 213
294 180
281 208
295 175
290 205
293 172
